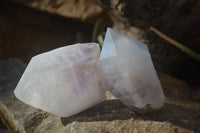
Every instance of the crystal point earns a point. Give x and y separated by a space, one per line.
129 73
64 81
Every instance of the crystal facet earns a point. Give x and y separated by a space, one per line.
64 81
129 73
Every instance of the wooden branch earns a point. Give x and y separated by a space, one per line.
177 44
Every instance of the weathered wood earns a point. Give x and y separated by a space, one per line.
83 10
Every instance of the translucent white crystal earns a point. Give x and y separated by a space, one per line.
129 73
64 81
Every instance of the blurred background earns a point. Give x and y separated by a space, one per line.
30 27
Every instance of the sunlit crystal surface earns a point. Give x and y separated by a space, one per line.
64 81
129 73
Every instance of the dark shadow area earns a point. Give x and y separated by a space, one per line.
25 32
110 110
177 115
178 20
2 127
11 71
102 108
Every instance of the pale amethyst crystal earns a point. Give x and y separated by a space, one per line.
129 73
64 81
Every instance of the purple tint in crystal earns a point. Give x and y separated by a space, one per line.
129 73
64 81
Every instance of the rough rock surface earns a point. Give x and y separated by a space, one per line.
179 114
78 9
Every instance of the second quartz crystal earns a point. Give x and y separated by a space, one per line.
129 73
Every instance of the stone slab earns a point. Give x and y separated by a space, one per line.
179 114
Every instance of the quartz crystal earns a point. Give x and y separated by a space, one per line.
129 73
64 81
